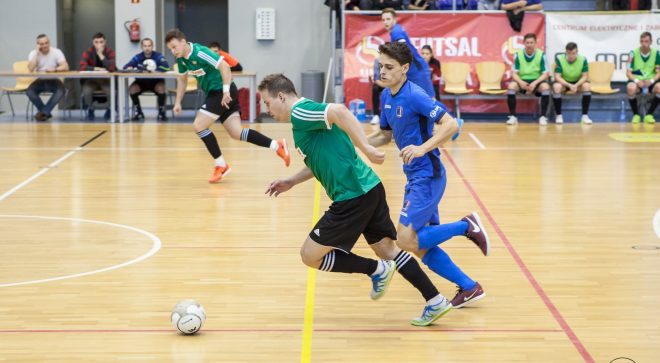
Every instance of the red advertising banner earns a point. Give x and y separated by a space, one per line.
462 37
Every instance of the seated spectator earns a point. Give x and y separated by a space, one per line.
518 6
143 61
644 76
434 64
571 76
488 5
385 4
417 4
447 5
529 76
352 5
98 57
46 59
233 62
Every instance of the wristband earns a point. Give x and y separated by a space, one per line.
225 88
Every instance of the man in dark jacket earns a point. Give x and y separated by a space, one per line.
148 61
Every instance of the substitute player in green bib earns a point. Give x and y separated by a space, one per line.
214 77
643 75
571 76
324 135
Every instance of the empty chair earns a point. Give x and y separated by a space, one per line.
455 75
490 77
600 76
22 84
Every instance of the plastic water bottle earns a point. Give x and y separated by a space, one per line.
358 108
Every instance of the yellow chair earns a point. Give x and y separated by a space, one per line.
490 77
22 84
455 75
600 76
191 87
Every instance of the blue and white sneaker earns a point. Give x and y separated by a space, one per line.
432 313
460 128
381 282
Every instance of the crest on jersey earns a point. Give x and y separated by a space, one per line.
399 111
194 62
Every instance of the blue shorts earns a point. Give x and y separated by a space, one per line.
420 201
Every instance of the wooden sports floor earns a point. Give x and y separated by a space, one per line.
103 228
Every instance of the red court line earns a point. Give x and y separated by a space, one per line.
431 329
523 267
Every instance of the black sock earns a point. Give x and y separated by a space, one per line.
654 104
255 137
210 142
409 268
633 105
161 101
557 102
545 102
136 102
337 261
511 100
586 100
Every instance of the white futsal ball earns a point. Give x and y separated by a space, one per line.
149 64
188 316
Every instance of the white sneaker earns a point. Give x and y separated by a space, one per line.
543 120
559 119
381 282
375 120
586 120
512 120
432 313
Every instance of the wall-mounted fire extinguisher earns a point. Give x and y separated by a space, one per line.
133 29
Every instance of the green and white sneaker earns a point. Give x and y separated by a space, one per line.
380 282
432 313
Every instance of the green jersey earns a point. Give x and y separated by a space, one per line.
202 63
329 153
529 68
571 72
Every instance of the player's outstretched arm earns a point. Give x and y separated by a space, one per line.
281 185
380 138
338 114
442 133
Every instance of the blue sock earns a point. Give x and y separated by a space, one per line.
439 262
430 236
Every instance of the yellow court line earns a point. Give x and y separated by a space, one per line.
306 351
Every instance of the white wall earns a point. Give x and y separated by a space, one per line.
125 11
303 37
20 23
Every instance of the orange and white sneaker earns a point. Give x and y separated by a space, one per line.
218 173
283 152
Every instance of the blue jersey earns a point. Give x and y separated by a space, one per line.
419 72
138 62
411 115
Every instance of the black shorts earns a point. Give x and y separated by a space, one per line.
342 224
650 87
536 92
148 84
213 105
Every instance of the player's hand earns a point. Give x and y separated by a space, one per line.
573 88
176 109
531 86
226 98
411 152
278 187
374 155
524 85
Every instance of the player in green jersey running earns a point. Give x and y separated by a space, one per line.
322 134
214 77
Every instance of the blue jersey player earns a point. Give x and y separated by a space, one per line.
419 124
419 71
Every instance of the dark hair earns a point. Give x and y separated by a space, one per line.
530 35
215 45
432 60
98 35
174 34
398 51
646 34
389 11
571 46
276 83
149 39
41 36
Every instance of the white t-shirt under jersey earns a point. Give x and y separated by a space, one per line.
47 61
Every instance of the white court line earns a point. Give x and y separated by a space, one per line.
656 223
154 248
477 141
38 174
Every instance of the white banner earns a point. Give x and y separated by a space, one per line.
601 37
